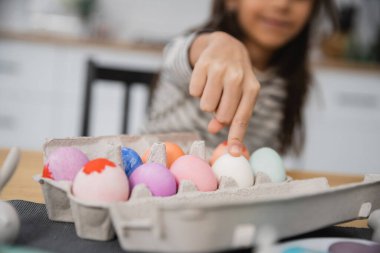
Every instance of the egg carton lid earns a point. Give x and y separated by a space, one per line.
173 226
107 146
315 203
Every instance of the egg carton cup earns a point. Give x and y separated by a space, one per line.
228 218
56 200
92 220
55 192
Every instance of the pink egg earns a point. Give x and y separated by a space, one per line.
195 169
101 180
156 177
64 163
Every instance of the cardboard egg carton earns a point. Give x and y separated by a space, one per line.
92 220
193 221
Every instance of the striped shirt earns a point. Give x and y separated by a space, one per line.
174 110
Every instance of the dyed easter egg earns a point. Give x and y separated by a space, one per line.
268 161
156 177
237 168
46 173
173 151
222 149
195 169
101 180
131 160
64 163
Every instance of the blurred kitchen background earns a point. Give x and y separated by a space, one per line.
54 52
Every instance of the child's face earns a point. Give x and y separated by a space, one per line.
272 23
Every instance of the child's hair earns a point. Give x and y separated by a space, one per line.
291 62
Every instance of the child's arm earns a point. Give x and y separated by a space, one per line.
224 81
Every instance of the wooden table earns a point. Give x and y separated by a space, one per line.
23 187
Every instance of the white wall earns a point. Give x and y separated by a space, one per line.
342 120
152 19
125 19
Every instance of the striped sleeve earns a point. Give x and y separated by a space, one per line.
176 63
173 109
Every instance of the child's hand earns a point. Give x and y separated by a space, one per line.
224 81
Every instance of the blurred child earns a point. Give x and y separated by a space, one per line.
243 76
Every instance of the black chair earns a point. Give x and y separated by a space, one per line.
127 77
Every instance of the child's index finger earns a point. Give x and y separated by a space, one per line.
235 147
239 125
234 143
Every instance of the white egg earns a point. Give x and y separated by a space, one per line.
237 168
268 161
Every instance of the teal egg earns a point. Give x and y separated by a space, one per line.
268 161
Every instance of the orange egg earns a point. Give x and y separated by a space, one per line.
173 151
222 149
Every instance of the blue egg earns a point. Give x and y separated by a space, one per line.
131 160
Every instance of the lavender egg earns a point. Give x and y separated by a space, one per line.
159 180
65 162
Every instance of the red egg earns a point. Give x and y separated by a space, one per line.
222 149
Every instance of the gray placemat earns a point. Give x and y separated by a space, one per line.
39 232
